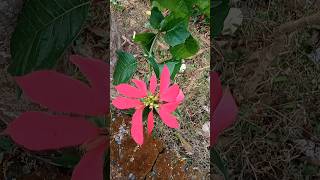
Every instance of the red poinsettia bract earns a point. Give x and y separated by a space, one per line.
38 131
223 108
164 102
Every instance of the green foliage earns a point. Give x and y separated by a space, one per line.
217 160
178 7
174 29
183 8
186 49
173 65
66 160
156 18
99 121
219 11
5 144
44 30
125 68
170 21
177 35
204 6
145 40
152 61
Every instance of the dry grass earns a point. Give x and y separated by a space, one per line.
284 108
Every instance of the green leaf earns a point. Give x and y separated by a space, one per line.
106 172
178 7
204 6
185 50
5 144
177 35
125 68
99 121
145 113
45 29
173 66
67 160
219 12
216 159
216 3
154 65
156 18
170 21
145 40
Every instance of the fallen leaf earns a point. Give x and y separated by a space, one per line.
315 56
232 21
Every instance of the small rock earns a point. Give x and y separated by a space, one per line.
206 129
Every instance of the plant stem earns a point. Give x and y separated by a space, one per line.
150 53
152 45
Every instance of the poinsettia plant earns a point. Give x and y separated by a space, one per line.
223 114
164 101
75 101
168 24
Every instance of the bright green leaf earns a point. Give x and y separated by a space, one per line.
204 6
145 40
156 18
45 29
185 50
177 35
170 21
125 68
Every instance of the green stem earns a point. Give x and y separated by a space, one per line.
152 45
150 53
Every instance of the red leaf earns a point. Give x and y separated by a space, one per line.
216 90
223 116
97 73
40 131
62 93
91 165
